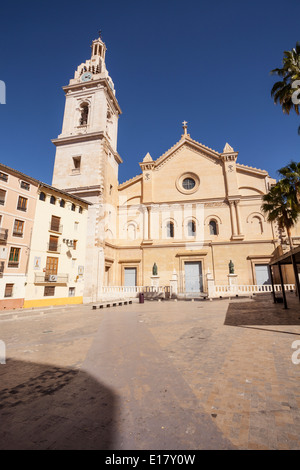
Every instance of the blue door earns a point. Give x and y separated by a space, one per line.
193 276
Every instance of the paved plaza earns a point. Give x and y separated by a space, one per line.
220 374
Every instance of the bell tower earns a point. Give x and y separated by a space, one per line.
86 161
90 125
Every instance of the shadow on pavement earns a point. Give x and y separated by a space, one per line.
263 312
47 407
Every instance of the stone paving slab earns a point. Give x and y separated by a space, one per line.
158 375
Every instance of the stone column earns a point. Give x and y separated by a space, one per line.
145 222
232 217
149 222
238 217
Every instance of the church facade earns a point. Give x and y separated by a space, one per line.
190 213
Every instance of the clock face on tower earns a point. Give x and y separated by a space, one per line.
86 77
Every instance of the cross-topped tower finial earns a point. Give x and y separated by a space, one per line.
184 125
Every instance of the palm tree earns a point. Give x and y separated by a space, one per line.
280 206
283 90
291 177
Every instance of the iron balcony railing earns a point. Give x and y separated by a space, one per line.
55 227
53 247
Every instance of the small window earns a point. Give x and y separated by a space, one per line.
76 163
49 291
42 196
22 204
2 197
18 228
3 177
73 207
25 185
80 210
71 291
188 183
213 227
191 226
8 290
52 200
62 203
170 230
14 257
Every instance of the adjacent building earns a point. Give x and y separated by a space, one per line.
42 243
18 197
56 264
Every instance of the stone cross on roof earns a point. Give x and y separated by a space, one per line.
184 125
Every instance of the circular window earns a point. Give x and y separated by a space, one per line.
188 183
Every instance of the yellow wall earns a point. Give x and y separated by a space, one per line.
52 301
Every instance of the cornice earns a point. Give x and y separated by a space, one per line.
130 181
70 139
250 169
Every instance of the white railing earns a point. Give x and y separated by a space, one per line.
109 293
120 292
220 291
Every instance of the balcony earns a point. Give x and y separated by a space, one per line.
53 247
22 208
13 264
18 233
43 278
3 235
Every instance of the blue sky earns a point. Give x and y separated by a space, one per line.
204 62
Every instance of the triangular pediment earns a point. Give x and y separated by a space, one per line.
188 143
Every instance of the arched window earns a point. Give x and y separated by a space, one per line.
131 231
42 197
170 230
52 200
191 228
257 225
62 203
80 210
73 207
213 227
84 113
